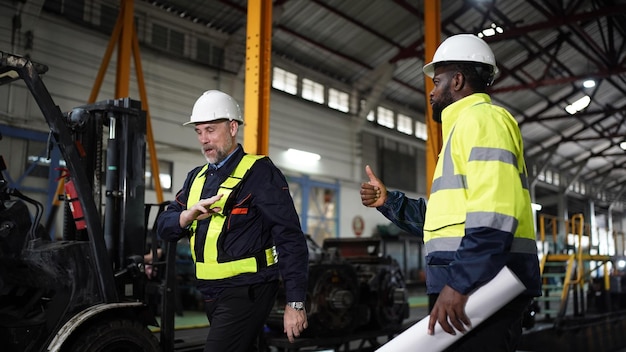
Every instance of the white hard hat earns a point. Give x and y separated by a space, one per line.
462 47
214 105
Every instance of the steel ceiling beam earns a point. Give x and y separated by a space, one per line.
554 21
558 81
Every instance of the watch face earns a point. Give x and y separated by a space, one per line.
297 305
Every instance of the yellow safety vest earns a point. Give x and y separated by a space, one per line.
211 269
481 183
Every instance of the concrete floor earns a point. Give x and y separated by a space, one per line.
193 327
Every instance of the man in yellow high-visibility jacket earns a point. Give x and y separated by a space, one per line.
479 217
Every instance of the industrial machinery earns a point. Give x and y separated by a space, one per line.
382 286
84 292
351 289
332 301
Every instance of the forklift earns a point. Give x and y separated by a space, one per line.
87 290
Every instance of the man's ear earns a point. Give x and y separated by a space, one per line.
458 81
234 127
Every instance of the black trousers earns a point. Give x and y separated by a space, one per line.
501 332
237 317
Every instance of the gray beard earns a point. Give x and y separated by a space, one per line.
221 154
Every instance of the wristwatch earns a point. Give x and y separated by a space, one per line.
296 305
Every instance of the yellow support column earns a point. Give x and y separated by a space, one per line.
125 36
143 94
258 77
124 50
432 36
106 59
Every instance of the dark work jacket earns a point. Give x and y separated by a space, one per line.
269 218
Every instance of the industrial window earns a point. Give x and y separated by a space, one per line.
549 176
71 9
168 39
338 100
177 42
108 17
577 187
398 168
208 53
385 117
556 179
405 124
313 91
285 81
421 131
166 170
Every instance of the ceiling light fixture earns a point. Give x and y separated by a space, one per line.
589 83
578 105
623 145
489 31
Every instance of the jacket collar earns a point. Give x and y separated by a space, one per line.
452 112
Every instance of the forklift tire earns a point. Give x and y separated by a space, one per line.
114 335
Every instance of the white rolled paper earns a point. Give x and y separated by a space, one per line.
481 304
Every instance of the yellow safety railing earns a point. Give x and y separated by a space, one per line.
576 227
570 242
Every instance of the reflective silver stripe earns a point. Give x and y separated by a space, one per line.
497 154
451 244
493 220
445 244
493 154
448 180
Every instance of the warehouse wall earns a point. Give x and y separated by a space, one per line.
74 54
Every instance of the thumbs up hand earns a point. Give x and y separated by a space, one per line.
374 192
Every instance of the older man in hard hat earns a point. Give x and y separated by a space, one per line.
478 217
244 232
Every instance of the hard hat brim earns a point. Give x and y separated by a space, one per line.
197 122
429 70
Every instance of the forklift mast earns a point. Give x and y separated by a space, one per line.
122 167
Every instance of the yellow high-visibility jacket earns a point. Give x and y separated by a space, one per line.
479 213
209 268
478 217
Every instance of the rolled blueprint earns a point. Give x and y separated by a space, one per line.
481 304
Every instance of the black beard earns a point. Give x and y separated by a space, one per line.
446 99
437 115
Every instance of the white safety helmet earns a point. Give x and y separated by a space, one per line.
462 47
214 105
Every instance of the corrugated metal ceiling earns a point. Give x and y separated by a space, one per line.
547 49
